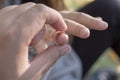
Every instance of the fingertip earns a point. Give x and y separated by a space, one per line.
62 38
60 50
105 25
102 25
66 49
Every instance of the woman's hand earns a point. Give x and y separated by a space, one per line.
78 24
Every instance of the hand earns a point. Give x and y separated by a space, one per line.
19 27
78 24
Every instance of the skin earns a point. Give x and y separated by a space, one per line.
78 25
24 25
18 29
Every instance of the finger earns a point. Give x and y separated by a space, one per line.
61 38
7 9
53 18
77 29
34 19
51 39
58 25
57 37
38 36
44 61
85 19
41 46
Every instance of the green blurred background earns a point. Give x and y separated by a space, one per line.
74 4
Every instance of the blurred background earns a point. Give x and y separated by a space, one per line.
109 59
75 4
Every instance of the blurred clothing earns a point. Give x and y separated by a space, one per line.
66 68
103 74
91 48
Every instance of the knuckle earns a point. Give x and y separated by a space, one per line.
40 7
68 22
31 3
80 14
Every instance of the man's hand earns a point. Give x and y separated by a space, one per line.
24 25
19 26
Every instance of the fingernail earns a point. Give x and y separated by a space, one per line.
63 38
102 25
66 49
99 18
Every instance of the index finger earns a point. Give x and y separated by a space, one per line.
36 17
41 13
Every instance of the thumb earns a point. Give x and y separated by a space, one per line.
41 63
